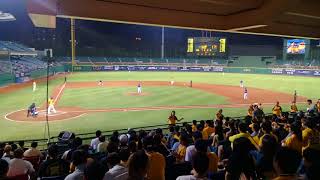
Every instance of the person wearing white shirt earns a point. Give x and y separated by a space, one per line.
191 150
33 151
94 142
102 146
200 165
18 166
117 171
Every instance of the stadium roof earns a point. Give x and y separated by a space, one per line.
291 18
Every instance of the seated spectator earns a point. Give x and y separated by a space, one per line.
209 128
138 165
94 171
159 145
202 147
240 163
76 142
21 145
310 134
33 151
102 146
311 163
243 133
157 163
266 128
191 150
4 167
181 151
294 139
200 164
194 126
7 155
124 156
53 166
18 166
218 137
112 147
255 127
264 157
94 142
79 160
286 164
116 170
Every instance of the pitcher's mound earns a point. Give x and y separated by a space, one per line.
137 94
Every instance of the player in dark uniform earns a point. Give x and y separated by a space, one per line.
191 83
32 110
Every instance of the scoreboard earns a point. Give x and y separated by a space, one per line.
207 46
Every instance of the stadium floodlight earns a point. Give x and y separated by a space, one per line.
6 17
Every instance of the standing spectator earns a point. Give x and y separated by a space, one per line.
294 139
157 163
95 141
102 146
202 147
219 115
138 165
53 165
116 171
200 164
277 109
4 167
79 160
264 157
18 166
240 155
33 151
286 163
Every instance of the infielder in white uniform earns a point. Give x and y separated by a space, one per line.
172 82
34 86
139 88
241 84
245 94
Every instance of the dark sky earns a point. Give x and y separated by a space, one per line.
103 34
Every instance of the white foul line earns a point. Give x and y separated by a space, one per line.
61 89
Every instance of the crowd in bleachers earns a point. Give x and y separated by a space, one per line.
24 65
281 146
13 46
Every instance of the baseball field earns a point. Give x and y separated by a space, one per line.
84 106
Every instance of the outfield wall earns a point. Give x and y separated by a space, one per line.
281 71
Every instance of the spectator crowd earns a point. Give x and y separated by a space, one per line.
281 146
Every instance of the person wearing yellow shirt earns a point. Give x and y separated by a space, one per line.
219 115
277 109
293 107
181 151
209 129
51 105
172 119
255 134
294 139
157 163
202 147
266 128
194 126
310 136
318 106
243 133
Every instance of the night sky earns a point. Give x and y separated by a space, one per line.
90 34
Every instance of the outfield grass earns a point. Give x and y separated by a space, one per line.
305 86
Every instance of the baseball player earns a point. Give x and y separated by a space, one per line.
139 88
51 106
172 82
34 86
245 94
241 83
100 83
32 110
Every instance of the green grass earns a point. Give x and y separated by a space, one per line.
306 86
111 97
